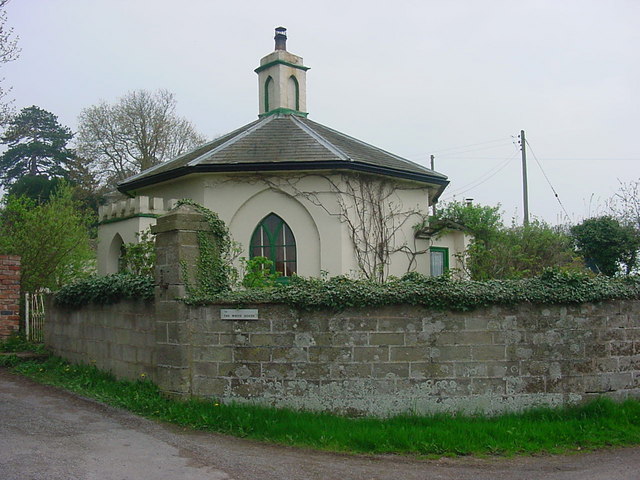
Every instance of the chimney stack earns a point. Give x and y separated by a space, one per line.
281 38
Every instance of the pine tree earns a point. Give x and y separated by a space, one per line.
37 146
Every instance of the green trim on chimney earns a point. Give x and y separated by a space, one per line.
283 111
280 62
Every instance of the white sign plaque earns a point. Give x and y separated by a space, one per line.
239 314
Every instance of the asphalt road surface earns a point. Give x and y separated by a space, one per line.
49 434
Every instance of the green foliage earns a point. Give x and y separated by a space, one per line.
482 221
337 293
140 258
499 252
52 239
607 245
521 252
107 289
214 272
37 145
600 423
36 187
258 273
18 343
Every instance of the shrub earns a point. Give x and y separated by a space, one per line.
107 289
551 287
258 273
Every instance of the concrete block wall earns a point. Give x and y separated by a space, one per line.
9 295
408 359
119 338
378 361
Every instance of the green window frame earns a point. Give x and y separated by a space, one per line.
439 261
274 239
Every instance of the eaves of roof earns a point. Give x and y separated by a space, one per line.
286 143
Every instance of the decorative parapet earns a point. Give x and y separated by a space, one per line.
140 206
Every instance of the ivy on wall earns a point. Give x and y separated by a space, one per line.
214 272
552 287
107 289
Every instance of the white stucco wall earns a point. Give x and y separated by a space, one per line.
457 242
111 235
309 204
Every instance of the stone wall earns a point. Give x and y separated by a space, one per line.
403 358
377 361
9 294
119 338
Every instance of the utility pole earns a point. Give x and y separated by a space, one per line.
525 188
433 168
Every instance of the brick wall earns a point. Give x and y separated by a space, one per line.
9 294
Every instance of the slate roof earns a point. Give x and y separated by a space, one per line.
285 142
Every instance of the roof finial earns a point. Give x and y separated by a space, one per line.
281 38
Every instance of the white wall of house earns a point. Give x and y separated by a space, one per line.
112 235
314 205
456 242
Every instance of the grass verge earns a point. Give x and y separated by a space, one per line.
598 424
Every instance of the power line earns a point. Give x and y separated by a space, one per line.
547 179
461 152
470 145
483 178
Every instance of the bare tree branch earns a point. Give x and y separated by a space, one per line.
139 131
372 210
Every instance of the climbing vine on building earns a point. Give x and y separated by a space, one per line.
214 271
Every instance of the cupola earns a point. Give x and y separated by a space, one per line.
282 80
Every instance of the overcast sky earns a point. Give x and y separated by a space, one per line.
457 79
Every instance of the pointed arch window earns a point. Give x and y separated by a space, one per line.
294 91
268 92
274 240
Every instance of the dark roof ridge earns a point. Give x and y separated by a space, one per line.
242 132
320 139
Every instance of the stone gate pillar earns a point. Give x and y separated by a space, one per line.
177 253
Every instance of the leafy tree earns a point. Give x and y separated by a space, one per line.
482 221
607 245
35 187
139 131
52 238
498 252
9 51
37 146
522 252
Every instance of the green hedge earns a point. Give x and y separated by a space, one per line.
107 289
552 287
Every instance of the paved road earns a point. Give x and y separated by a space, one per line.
50 434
